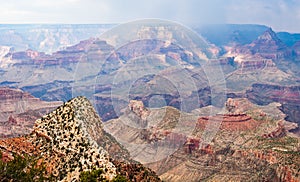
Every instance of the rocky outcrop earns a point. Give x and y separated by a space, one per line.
267 46
230 122
66 141
265 60
71 140
14 94
279 132
139 109
25 55
135 172
257 65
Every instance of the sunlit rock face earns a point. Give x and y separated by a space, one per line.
66 141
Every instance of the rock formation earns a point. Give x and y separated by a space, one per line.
256 65
66 141
250 142
267 46
19 110
138 108
289 96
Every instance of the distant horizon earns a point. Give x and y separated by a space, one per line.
115 24
279 14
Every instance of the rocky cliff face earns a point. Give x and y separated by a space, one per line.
289 96
263 42
19 110
267 46
267 69
251 143
267 56
67 141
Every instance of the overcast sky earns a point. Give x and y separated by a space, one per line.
281 15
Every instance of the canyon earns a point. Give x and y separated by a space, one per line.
248 142
55 76
216 103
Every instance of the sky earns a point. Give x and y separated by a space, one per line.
281 15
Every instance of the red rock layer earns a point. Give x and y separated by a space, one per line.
230 122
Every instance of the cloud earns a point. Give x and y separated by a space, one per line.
77 11
279 14
184 11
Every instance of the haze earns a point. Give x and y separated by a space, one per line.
281 15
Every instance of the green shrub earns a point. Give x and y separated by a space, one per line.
22 168
92 176
120 178
96 176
